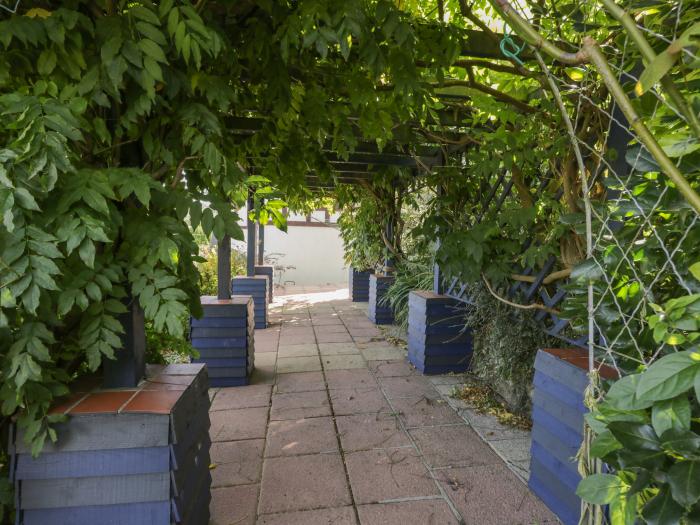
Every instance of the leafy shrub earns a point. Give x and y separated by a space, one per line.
208 268
163 348
505 342
648 430
410 275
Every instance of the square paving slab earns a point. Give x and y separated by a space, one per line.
299 382
303 483
388 474
236 462
368 431
301 436
299 405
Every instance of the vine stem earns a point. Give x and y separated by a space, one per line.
590 53
590 46
649 55
533 306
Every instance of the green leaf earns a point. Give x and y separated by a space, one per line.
668 377
603 444
623 509
87 252
145 14
111 48
588 270
694 269
152 32
682 442
684 480
671 414
635 436
655 71
600 489
153 50
662 509
623 394
47 62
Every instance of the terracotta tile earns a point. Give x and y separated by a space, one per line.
245 423
361 400
425 411
62 405
413 386
493 495
153 401
303 483
299 405
231 505
237 462
301 436
453 445
433 511
368 431
339 516
250 396
300 382
103 402
386 474
343 379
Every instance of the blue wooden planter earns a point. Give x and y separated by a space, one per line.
437 341
269 272
132 456
255 286
224 338
378 313
358 283
561 377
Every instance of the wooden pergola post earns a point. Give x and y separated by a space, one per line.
252 235
223 268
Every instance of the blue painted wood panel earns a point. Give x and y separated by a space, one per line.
149 513
557 432
79 464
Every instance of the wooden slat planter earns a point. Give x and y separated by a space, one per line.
269 272
255 286
224 338
437 343
561 376
378 285
358 283
132 456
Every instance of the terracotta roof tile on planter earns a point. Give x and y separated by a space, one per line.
103 402
64 404
579 358
153 401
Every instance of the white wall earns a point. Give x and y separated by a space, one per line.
315 251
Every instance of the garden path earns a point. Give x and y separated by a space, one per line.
338 428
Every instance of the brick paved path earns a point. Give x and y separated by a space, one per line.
339 429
